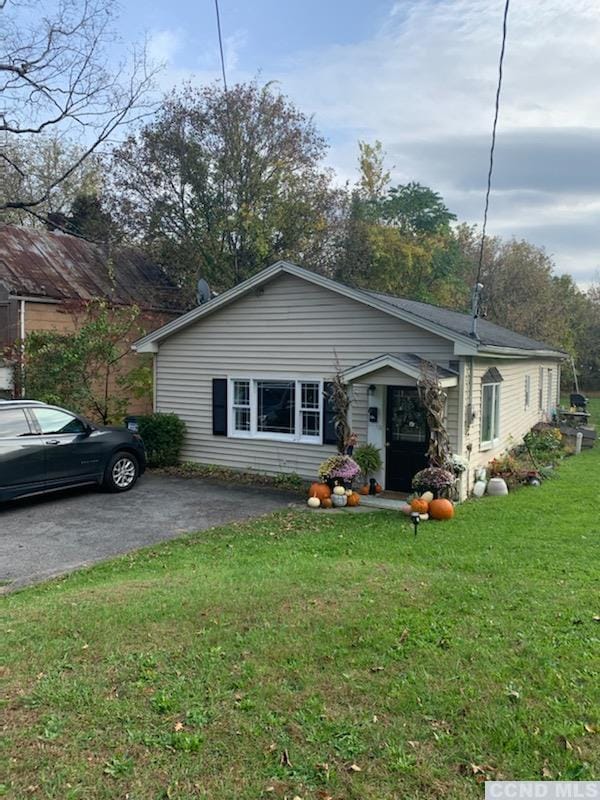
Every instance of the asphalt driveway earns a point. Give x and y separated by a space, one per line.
45 537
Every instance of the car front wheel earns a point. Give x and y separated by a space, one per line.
121 473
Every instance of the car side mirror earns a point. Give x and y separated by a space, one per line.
87 429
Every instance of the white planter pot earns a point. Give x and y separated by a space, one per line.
497 487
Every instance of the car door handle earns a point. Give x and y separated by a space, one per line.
52 441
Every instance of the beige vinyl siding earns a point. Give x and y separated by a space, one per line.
288 328
515 419
359 416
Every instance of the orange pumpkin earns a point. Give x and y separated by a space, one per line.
441 509
378 488
353 499
320 490
420 505
364 489
326 502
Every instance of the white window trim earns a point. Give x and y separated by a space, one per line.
491 443
527 389
253 433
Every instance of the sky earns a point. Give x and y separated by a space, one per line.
420 76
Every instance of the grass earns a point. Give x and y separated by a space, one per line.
318 656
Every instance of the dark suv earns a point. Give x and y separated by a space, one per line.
44 448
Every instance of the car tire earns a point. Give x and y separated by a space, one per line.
121 472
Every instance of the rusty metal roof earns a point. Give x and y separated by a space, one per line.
40 263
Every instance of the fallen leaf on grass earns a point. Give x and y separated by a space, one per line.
403 636
565 743
546 772
590 728
354 768
377 669
481 772
179 726
285 759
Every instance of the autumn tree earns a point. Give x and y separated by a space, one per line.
55 82
223 183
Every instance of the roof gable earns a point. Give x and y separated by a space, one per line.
449 325
150 343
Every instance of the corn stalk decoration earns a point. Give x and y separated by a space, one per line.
433 399
340 400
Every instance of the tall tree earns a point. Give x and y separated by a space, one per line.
54 79
374 177
222 184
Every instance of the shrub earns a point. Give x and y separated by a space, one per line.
163 437
545 445
368 458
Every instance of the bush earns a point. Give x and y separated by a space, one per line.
163 437
545 445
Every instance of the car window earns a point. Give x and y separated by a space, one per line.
53 421
13 422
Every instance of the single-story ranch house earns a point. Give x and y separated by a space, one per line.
246 372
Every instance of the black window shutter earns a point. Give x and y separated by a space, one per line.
329 434
219 406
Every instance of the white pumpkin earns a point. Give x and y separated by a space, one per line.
427 496
339 500
348 492
339 490
423 517
314 502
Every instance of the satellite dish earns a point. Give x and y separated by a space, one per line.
203 294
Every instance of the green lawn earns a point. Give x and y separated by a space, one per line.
318 655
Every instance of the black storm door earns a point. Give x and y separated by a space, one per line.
407 437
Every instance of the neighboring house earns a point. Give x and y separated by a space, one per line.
47 277
246 372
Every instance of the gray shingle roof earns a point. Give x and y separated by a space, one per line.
489 333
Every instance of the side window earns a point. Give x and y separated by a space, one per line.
53 421
13 422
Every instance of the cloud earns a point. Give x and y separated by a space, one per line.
164 45
424 86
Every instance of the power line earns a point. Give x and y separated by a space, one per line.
491 165
221 45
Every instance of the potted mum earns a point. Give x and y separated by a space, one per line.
440 482
339 470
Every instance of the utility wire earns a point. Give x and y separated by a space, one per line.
493 144
221 45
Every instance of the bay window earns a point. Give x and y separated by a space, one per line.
288 410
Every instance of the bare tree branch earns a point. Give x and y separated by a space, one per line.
55 79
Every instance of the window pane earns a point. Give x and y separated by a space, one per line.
310 423
310 396
496 417
241 421
276 406
13 422
53 421
487 413
241 393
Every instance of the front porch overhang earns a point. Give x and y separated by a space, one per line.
408 364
